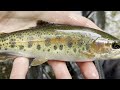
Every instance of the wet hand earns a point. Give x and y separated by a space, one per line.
20 65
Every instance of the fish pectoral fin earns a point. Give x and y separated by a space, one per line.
38 61
88 55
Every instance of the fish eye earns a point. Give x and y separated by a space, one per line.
115 46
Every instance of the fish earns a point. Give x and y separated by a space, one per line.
49 41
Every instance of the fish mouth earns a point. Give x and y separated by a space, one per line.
111 55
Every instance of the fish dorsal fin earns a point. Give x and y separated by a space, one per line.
40 24
43 23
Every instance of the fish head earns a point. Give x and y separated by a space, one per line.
106 50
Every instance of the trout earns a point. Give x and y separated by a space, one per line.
50 41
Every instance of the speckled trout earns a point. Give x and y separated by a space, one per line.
60 42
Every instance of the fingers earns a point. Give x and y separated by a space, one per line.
88 70
20 68
60 69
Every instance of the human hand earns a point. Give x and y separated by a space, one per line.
20 65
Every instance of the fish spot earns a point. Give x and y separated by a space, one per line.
79 50
87 47
75 42
67 51
38 47
83 48
58 37
4 40
48 50
47 42
12 46
80 42
69 41
0 46
5 48
21 47
55 47
74 50
70 44
30 43
61 47
19 36
12 42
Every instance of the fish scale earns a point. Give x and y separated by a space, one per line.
59 42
